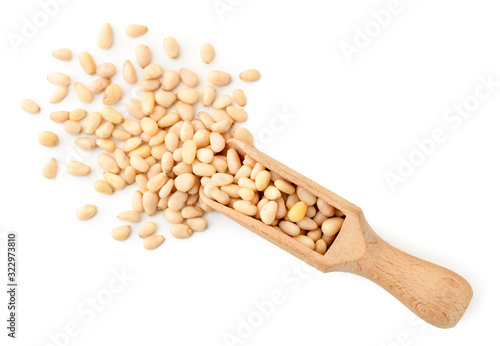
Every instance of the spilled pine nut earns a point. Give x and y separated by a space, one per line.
85 212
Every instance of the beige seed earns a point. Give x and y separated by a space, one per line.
105 36
246 193
250 75
184 182
332 226
262 180
142 151
115 180
204 170
77 114
83 93
219 78
120 135
49 170
108 163
59 94
197 223
137 201
188 77
129 74
87 62
239 97
305 240
233 161
284 186
121 232
307 224
112 94
221 179
59 79
165 98
85 212
59 116
306 196
188 95
170 80
289 228
177 200
189 151
157 182
171 47
217 142
238 114
48 139
173 216
148 102
207 53
135 30
93 121
77 168
205 155
99 85
30 106
271 192
315 235
129 216
150 202
320 247
297 212
243 135
152 71
85 143
222 102
185 110
153 241
268 212
190 212
62 54
133 127
245 207
106 144
149 126
106 70
208 95
181 231
325 208
143 55
72 127
139 163
103 187
233 190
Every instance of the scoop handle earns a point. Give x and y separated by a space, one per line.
435 294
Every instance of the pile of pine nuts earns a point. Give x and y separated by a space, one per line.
251 189
170 152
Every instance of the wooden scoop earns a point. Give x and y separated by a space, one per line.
435 294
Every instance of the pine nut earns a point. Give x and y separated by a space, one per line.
129 74
121 232
115 180
49 170
103 187
188 77
87 62
152 71
129 216
85 212
112 95
243 135
238 114
268 212
30 106
99 85
83 93
181 231
289 228
62 54
72 127
297 212
188 95
105 36
245 207
250 75
219 78
48 139
239 97
153 241
77 168
59 79
306 196
197 223
207 53
106 144
59 94
143 55
170 80
77 114
305 240
332 226
106 70
171 47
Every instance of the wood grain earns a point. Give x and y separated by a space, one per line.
436 294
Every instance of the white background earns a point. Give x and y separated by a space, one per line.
352 121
